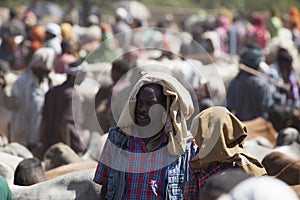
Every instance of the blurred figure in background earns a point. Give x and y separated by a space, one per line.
259 35
122 26
104 96
12 33
62 111
65 58
53 37
250 96
27 99
275 22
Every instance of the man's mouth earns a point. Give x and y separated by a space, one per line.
142 116
142 119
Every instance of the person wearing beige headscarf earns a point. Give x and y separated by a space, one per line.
27 98
219 136
147 154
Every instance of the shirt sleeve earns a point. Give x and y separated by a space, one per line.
103 164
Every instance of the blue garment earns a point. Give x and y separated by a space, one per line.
249 97
284 98
173 176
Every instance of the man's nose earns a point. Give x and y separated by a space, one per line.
144 108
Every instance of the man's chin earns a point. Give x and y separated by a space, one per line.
142 123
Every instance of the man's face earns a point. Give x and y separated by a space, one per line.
147 97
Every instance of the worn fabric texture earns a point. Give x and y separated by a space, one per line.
220 136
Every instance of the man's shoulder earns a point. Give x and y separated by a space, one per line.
53 91
116 136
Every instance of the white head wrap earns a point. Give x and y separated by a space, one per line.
53 28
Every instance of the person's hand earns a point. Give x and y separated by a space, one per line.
2 81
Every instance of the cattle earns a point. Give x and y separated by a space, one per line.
261 127
296 188
59 154
10 160
52 173
283 167
7 172
16 149
77 185
259 147
287 142
288 136
28 172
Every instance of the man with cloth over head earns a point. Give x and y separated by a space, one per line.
219 136
147 155
27 99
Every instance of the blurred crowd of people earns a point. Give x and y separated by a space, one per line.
47 60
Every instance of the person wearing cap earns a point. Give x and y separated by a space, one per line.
53 37
62 102
250 96
27 98
286 111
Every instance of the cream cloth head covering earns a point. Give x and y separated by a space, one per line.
220 136
179 109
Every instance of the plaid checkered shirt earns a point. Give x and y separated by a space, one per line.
139 185
193 187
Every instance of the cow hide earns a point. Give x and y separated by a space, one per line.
77 185
283 167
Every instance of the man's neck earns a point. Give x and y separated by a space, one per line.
148 139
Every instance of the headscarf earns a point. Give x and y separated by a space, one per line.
43 58
38 33
38 36
179 109
220 136
251 57
53 29
66 31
